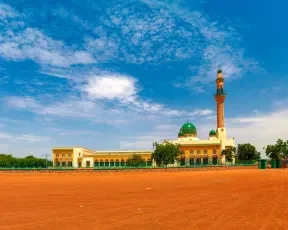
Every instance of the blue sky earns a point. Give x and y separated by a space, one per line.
110 75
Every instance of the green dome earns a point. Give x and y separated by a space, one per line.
188 128
180 134
219 71
212 133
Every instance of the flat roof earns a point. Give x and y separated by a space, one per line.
104 151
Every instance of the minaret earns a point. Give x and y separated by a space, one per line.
220 98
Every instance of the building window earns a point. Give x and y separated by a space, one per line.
69 163
63 154
191 152
69 155
79 164
87 164
205 151
79 154
214 151
57 155
198 151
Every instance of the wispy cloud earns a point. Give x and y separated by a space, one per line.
32 44
7 11
23 137
20 42
217 44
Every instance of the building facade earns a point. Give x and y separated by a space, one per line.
195 151
78 157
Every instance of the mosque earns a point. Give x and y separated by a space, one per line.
195 151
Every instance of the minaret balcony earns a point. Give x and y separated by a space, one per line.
220 94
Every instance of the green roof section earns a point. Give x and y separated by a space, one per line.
180 134
188 128
219 71
212 133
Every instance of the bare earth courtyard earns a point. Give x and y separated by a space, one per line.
224 199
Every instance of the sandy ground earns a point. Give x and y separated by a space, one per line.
231 199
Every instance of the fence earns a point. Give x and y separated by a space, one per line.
119 167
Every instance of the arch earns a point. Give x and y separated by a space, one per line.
215 160
96 163
205 161
106 163
117 163
205 151
191 152
101 163
214 151
182 161
122 162
149 162
112 163
198 161
192 161
198 151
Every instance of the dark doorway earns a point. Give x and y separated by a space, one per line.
205 161
191 161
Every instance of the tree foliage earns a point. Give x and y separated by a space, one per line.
166 153
8 161
247 152
278 151
135 160
229 153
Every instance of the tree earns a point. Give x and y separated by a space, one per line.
135 160
8 161
166 153
284 154
278 151
229 153
247 152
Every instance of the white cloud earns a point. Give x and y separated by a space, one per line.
203 112
119 112
165 127
18 41
32 138
32 44
111 87
219 46
6 11
124 89
23 137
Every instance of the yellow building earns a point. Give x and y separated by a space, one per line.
196 151
81 157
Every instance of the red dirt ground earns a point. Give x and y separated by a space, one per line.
227 199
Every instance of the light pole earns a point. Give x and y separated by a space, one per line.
46 155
